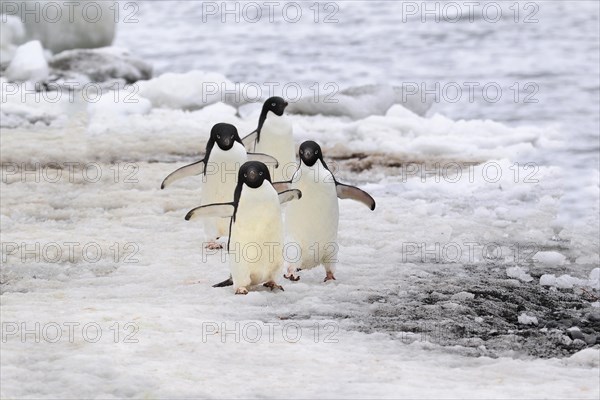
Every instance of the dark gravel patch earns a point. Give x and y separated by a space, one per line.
478 307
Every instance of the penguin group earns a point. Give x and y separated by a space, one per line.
246 181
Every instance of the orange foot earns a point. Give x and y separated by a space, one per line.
213 246
291 277
272 285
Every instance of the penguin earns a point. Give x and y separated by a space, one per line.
256 236
274 137
312 222
220 167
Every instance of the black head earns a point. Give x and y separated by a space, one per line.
310 153
253 174
275 104
224 135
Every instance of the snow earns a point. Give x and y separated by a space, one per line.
196 89
188 91
569 282
115 106
585 358
595 276
360 102
28 63
550 258
457 285
167 293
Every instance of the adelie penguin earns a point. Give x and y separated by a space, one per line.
312 222
274 137
220 167
256 228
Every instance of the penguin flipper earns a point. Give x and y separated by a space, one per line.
250 140
222 210
282 186
289 195
263 158
354 193
196 168
226 282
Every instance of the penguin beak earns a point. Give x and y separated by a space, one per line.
308 153
226 142
252 175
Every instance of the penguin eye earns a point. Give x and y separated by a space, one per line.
260 173
218 136
316 151
245 175
273 104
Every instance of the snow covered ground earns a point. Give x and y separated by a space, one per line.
396 323
477 275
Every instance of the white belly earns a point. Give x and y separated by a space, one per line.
277 140
312 221
256 241
219 183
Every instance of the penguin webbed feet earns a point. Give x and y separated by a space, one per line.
272 285
291 277
241 290
213 245
329 277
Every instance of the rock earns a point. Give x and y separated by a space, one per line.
99 65
593 317
566 340
463 296
551 324
574 333
578 344
590 339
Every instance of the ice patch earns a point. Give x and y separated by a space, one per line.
189 91
518 273
550 258
594 280
569 282
12 32
527 319
28 64
65 25
360 102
